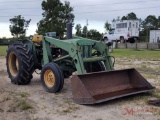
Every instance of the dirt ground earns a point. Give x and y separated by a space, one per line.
32 102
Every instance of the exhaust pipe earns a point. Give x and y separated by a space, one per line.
69 30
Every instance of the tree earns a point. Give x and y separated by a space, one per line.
151 22
78 29
107 26
94 34
18 26
124 18
85 30
56 15
140 21
130 16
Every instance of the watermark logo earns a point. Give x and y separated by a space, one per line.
134 111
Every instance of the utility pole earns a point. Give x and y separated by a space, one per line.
87 27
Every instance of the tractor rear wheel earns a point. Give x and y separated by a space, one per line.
51 78
20 63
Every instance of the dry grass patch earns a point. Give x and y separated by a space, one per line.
70 108
23 94
150 76
156 93
145 68
24 105
99 119
1 110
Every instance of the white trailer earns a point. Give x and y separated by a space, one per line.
154 36
124 30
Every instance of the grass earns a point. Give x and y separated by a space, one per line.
23 94
128 53
147 68
7 98
1 110
149 76
3 50
70 108
156 93
99 119
136 54
24 105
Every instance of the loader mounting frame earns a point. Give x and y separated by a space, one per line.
79 50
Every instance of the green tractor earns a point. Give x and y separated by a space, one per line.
95 79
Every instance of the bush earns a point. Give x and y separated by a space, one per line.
143 39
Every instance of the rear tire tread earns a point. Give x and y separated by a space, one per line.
25 58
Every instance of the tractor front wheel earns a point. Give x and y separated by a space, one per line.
52 78
61 77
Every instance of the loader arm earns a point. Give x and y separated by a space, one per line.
80 50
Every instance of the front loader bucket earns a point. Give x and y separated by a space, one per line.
98 87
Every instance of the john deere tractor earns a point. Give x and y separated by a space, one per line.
95 79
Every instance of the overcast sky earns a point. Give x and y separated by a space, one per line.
97 12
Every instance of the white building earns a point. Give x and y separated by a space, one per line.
154 36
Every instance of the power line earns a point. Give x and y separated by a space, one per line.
118 10
95 11
23 15
19 8
18 1
81 5
116 3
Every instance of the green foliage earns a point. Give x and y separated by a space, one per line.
107 26
94 34
3 40
124 18
91 34
18 25
56 15
130 16
78 29
84 31
23 94
3 50
143 39
150 23
24 105
6 41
